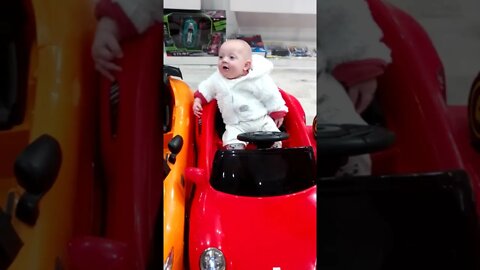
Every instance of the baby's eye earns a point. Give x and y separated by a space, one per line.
232 57
220 57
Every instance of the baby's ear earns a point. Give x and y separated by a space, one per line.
248 65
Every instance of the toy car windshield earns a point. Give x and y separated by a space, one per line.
263 172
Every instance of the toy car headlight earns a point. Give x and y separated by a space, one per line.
168 264
212 259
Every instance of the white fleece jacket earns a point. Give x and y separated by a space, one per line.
133 17
142 13
347 32
246 98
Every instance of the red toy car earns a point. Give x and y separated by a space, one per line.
419 209
253 206
430 134
128 191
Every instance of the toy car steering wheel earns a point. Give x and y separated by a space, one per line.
350 139
263 139
335 143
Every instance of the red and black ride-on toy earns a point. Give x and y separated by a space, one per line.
419 208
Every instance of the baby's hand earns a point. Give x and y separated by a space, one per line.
106 47
278 122
362 94
197 107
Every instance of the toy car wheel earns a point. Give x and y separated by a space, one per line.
474 113
263 139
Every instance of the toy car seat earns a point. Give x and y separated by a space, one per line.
294 124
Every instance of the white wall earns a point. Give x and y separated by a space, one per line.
182 4
279 25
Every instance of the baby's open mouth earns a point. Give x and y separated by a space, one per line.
225 68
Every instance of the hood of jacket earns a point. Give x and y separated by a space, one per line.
260 67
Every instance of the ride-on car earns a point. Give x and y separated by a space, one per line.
138 112
419 209
430 134
129 163
46 135
178 152
244 210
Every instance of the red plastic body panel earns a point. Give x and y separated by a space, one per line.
458 120
265 233
131 158
412 98
259 232
430 135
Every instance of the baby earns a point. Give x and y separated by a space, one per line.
350 57
247 97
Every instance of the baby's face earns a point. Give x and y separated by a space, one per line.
233 60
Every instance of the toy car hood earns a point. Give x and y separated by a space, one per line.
267 232
256 216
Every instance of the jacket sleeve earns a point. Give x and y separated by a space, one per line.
206 89
133 16
268 93
350 40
